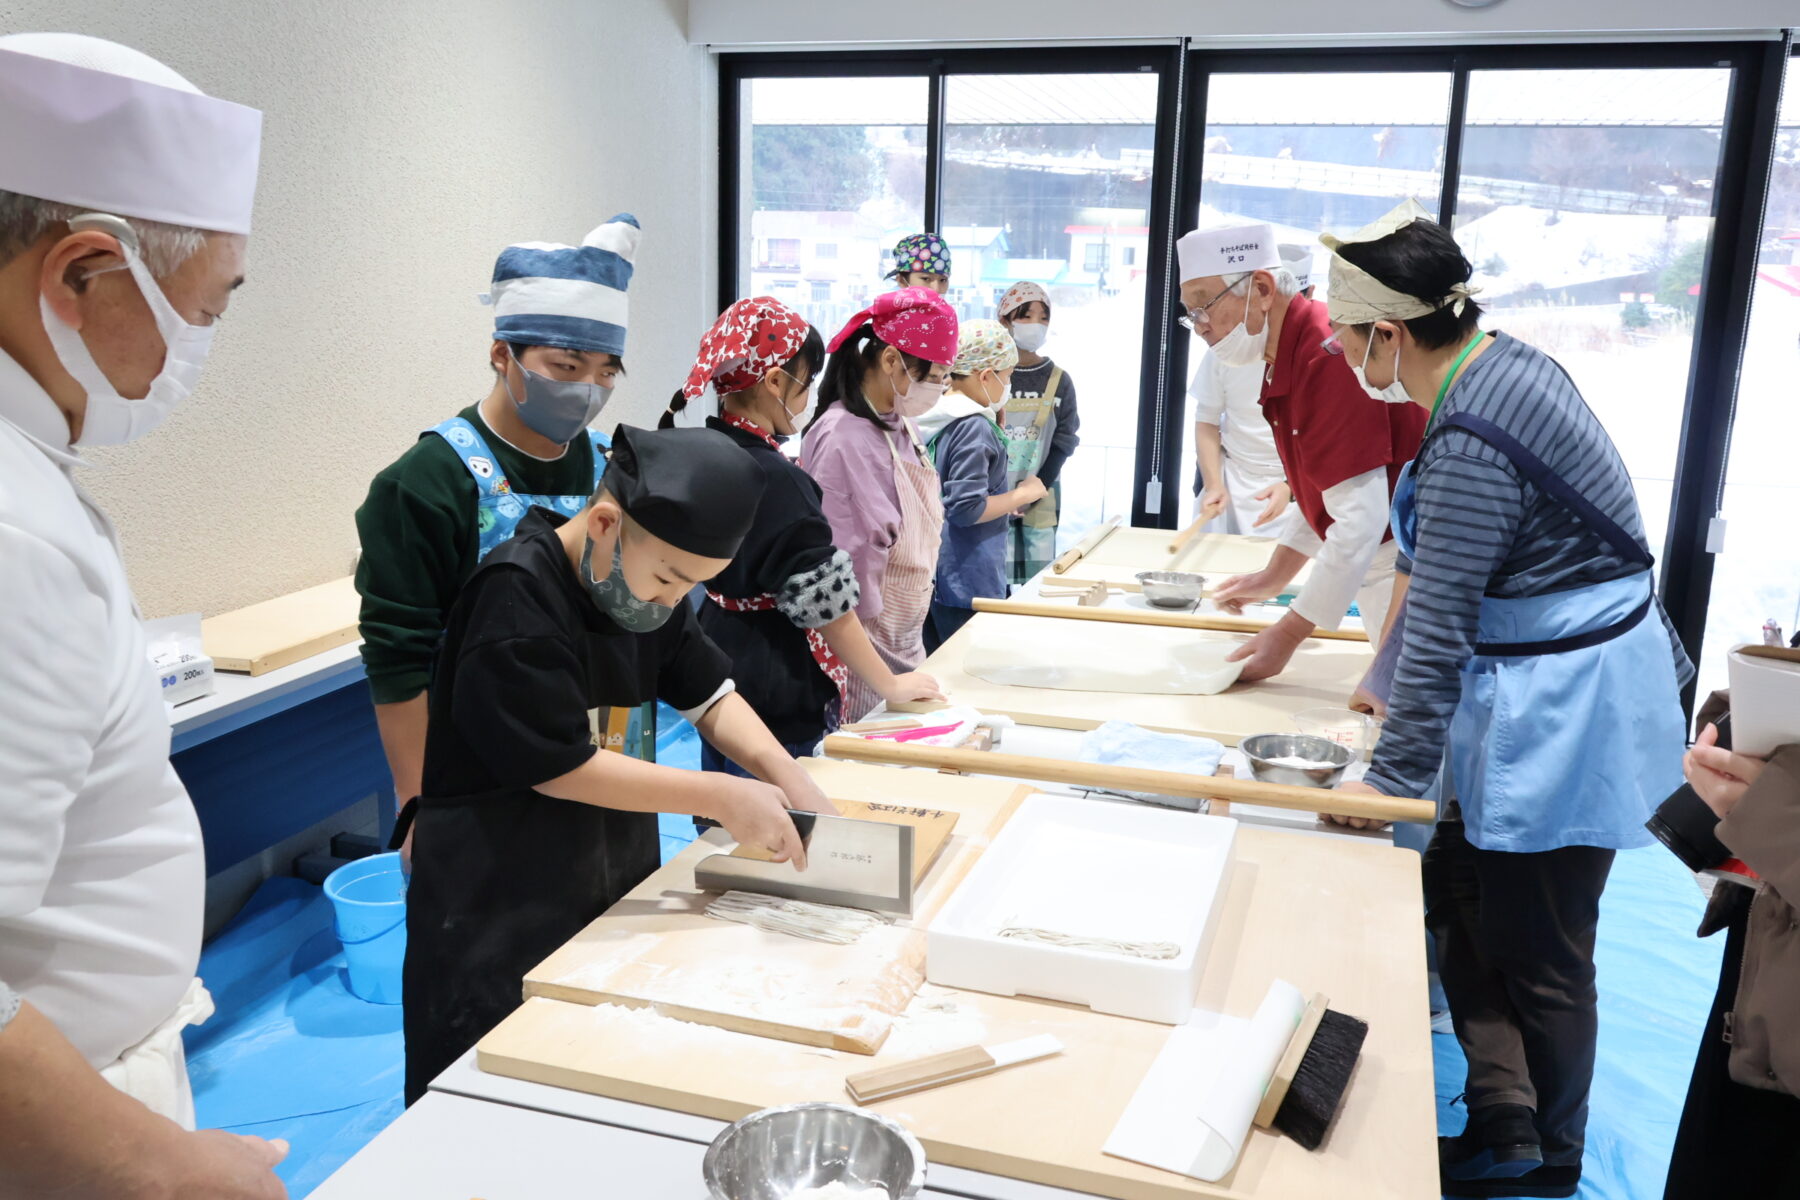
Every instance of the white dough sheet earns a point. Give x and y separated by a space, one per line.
1099 656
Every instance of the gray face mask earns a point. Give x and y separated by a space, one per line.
614 597
558 409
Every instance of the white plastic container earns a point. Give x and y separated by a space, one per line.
1090 869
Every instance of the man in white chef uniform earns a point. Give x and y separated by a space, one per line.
1239 478
125 198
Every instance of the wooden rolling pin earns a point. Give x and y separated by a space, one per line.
1115 778
1085 546
1187 535
1138 616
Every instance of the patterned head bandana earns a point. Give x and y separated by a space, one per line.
923 252
915 319
1358 298
749 340
1022 293
984 345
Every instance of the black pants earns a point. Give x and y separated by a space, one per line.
1734 1140
1515 941
941 624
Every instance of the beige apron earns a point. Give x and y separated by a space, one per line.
907 579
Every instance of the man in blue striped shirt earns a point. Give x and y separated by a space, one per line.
1536 694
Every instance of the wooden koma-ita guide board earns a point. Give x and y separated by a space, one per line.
656 948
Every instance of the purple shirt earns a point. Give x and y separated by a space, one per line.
848 455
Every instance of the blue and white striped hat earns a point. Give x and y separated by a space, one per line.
546 294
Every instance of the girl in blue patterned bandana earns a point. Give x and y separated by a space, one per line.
922 260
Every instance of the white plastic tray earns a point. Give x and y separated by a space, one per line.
1105 870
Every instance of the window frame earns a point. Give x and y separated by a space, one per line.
1749 131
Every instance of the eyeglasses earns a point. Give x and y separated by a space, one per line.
1194 318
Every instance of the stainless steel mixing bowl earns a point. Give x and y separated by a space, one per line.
772 1154
1172 589
1265 746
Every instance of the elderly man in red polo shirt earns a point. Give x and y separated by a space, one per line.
1341 445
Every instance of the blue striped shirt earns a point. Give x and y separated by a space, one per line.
1485 530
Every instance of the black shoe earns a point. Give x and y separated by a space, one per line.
1500 1142
1554 1182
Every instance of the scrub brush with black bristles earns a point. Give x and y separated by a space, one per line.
1313 1075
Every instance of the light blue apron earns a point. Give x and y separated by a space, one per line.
1569 731
499 511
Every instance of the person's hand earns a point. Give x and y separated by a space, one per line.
1719 776
754 813
1031 489
1213 501
1359 788
911 687
804 794
215 1165
1265 654
1239 590
406 852
1277 497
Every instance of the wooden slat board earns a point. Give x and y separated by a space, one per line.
657 948
1321 673
284 630
931 831
1326 914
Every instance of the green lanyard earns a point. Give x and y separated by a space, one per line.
1444 388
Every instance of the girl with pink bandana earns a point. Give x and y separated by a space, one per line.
888 367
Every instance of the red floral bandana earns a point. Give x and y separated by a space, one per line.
749 340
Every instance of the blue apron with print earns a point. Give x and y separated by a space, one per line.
1569 730
499 510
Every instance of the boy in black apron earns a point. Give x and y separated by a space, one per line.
525 831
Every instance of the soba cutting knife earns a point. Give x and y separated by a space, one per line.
849 863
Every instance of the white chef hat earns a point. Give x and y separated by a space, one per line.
1358 298
97 125
1298 259
1229 249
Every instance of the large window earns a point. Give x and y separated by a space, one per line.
1314 153
1603 192
834 176
1757 576
1586 204
1047 178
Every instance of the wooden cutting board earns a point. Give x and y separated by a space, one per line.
931 831
282 631
1321 674
1325 914
657 948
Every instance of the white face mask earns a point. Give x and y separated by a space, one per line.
799 420
112 419
1030 337
1393 393
998 404
1240 347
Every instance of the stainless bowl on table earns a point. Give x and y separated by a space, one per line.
776 1153
1262 749
1172 589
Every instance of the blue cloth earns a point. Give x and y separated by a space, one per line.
941 623
712 760
499 508
971 462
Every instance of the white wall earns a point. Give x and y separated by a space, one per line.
1312 22
405 142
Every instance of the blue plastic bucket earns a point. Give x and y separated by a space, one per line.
369 898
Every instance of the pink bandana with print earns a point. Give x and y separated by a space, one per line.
916 320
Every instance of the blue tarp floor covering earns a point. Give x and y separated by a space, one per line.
292 1054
